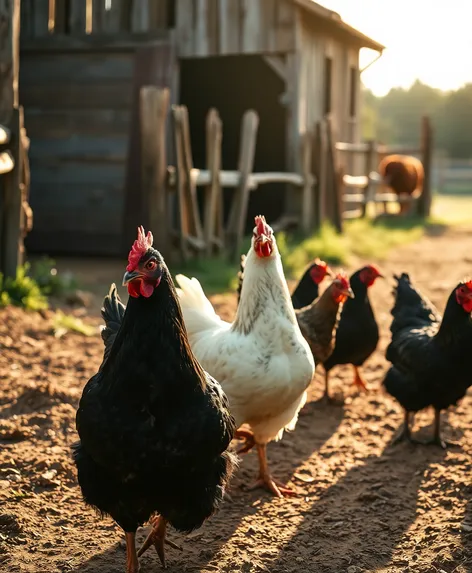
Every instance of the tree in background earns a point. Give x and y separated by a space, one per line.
396 117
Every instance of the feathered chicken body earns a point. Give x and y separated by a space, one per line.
357 334
430 354
318 321
153 425
261 359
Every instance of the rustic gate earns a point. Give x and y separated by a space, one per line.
82 64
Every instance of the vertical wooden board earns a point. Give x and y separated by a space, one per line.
252 26
117 17
78 17
27 23
201 28
140 16
98 8
41 18
9 57
212 27
58 12
269 25
154 66
286 26
229 27
185 21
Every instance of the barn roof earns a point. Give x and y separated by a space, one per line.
334 19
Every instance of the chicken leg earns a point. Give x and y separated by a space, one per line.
326 397
248 438
358 380
157 537
265 479
405 432
437 440
132 565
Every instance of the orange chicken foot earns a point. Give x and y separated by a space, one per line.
157 537
358 380
132 565
265 479
249 441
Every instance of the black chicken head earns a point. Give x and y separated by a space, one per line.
145 266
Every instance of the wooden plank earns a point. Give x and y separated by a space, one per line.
71 173
78 18
336 175
185 19
183 207
201 47
26 19
80 148
229 27
120 42
252 27
75 242
93 199
425 199
240 201
307 214
76 68
213 213
140 18
9 39
41 18
286 27
212 27
154 66
78 96
12 239
64 123
196 225
269 24
154 112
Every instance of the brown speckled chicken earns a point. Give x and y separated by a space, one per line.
318 321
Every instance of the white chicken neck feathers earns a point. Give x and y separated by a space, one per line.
261 360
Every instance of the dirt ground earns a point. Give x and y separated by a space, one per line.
363 505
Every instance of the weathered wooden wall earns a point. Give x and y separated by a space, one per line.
223 27
78 93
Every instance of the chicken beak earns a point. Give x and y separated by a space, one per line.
130 276
349 292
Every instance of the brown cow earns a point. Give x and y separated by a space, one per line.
404 175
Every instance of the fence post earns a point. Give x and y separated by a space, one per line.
154 107
12 240
425 199
308 203
247 151
213 213
370 165
335 174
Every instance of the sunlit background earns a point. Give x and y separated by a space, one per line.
426 40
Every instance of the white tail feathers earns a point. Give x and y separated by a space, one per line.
199 314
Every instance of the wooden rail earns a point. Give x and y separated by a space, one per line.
172 199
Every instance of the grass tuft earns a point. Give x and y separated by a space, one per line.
64 323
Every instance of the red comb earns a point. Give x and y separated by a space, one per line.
319 263
468 284
374 268
261 225
344 279
140 246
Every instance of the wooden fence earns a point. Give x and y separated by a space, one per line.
15 214
176 186
452 176
171 196
369 186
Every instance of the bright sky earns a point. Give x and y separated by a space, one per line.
429 40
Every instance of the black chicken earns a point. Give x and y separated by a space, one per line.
357 334
307 289
430 355
153 425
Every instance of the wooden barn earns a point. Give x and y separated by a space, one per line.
84 61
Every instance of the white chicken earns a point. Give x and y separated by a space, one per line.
261 360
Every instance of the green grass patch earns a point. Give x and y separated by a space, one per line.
22 291
64 323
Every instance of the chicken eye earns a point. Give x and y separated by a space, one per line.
151 265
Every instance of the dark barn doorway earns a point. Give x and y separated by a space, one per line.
232 85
